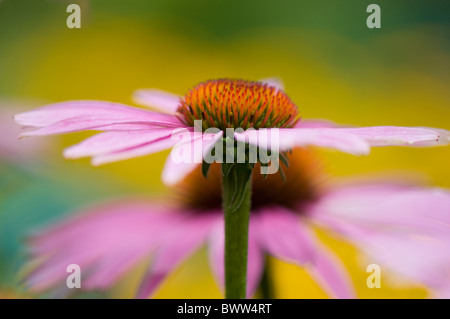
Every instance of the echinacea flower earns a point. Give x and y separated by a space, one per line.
262 106
402 227
252 111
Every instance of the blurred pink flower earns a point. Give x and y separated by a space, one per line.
132 132
404 228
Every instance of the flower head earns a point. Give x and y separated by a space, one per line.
228 103
258 108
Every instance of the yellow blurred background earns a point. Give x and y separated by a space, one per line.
333 67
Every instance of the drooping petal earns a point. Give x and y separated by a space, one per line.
158 145
255 263
180 242
193 150
54 113
216 248
402 208
329 272
255 258
105 242
441 293
87 115
57 112
407 229
110 142
161 100
89 122
397 136
282 235
285 236
284 139
423 260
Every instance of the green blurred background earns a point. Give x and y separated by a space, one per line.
333 66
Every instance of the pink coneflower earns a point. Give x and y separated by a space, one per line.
253 110
403 228
131 132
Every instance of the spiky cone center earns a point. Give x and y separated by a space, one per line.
229 103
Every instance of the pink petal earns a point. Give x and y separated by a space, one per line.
110 268
53 113
178 244
444 137
395 136
281 233
137 151
442 293
255 259
89 122
331 275
200 144
255 264
132 127
84 115
217 253
161 100
401 208
292 137
115 141
105 242
423 260
407 229
10 148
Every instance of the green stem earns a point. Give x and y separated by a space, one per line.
236 187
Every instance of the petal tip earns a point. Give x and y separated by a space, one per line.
69 154
96 162
25 135
169 179
16 118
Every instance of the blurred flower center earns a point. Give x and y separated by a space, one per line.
301 184
229 103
